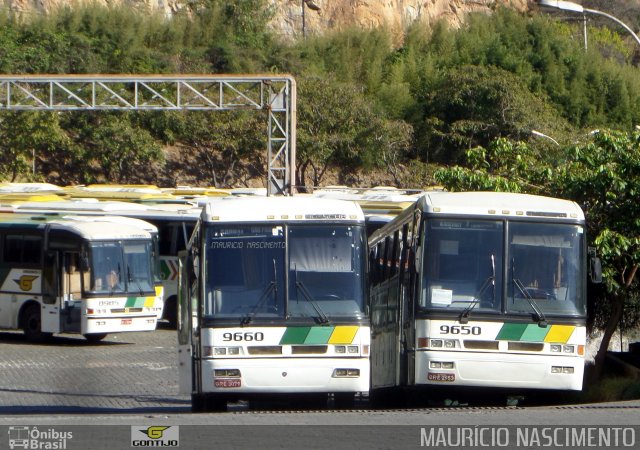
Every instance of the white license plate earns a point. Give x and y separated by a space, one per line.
447 377
227 383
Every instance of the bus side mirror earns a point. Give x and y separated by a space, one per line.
595 269
595 266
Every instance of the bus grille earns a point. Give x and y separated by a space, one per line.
308 349
265 350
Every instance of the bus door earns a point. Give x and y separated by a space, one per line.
188 333
50 312
71 301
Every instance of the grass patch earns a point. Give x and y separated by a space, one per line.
612 389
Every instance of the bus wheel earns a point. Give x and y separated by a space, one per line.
32 325
95 337
171 312
344 400
204 403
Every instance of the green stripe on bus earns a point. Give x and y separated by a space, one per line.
511 331
134 302
534 333
318 335
294 335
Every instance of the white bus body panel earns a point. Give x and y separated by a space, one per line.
104 319
287 372
501 367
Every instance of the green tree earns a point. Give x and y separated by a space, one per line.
222 149
604 177
113 149
474 105
26 140
337 127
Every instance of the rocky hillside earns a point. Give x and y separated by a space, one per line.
319 15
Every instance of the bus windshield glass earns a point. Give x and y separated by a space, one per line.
120 268
245 272
246 269
544 269
140 266
325 271
463 265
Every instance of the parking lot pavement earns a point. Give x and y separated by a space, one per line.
125 373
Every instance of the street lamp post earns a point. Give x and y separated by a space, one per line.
542 135
577 8
312 6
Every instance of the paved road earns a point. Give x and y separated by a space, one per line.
125 373
100 392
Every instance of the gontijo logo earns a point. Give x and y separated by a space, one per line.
26 282
155 436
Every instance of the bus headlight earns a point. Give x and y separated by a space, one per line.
340 349
569 348
449 343
353 349
556 348
346 373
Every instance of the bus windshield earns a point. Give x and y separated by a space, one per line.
463 265
325 271
464 268
246 268
120 267
245 271
544 269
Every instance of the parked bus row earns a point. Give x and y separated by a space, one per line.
283 296
460 289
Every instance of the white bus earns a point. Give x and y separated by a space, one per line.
174 224
75 275
479 289
273 302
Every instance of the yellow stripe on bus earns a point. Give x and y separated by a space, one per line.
559 333
343 334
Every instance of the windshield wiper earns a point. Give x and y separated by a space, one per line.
322 317
271 287
538 315
131 279
490 281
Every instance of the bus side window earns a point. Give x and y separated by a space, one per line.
13 249
32 250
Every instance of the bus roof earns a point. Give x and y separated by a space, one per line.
289 209
108 208
500 204
90 228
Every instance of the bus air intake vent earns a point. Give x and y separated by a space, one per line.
526 346
308 349
481 345
265 350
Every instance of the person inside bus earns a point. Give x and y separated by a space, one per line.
112 280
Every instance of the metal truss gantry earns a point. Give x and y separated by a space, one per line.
275 95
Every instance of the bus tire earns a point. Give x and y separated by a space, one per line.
95 337
344 400
171 312
205 403
32 324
